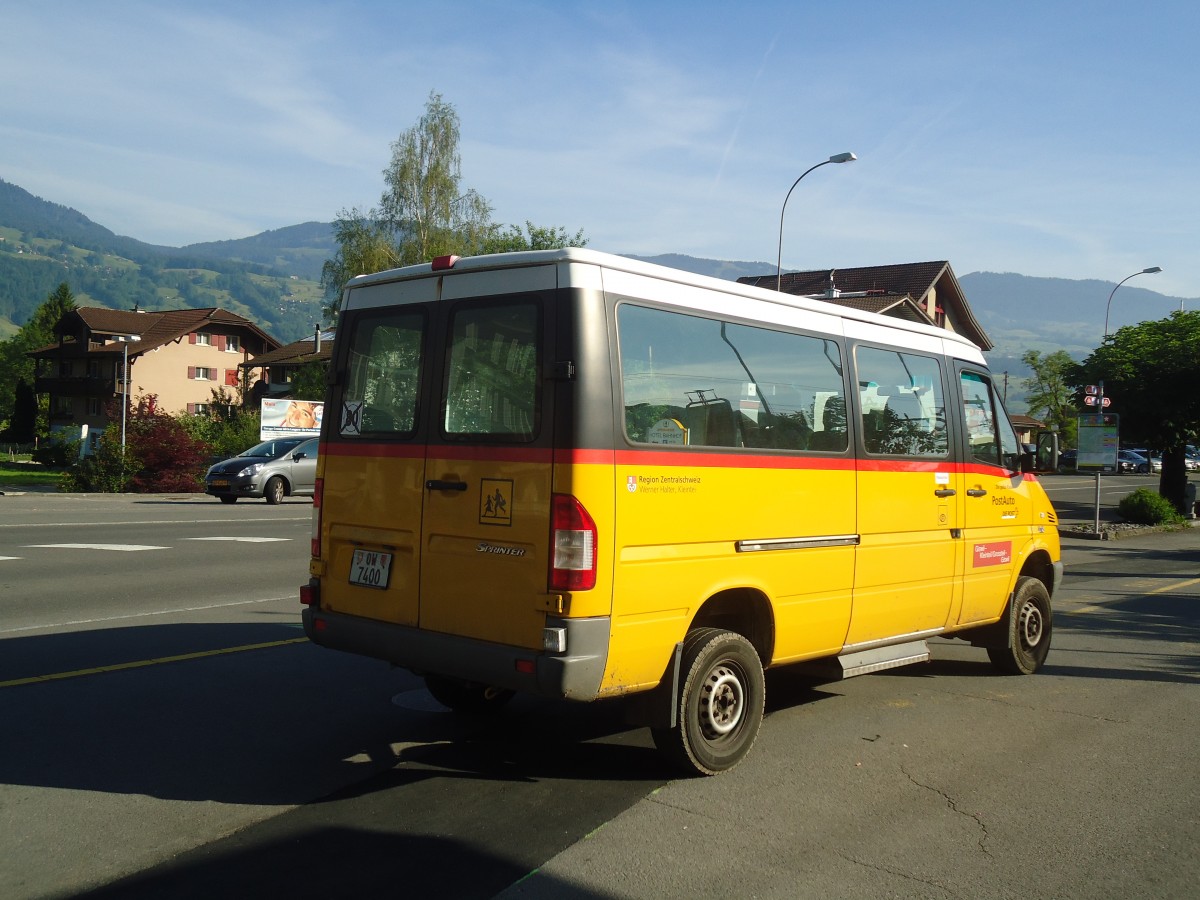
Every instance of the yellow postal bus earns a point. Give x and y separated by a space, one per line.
581 476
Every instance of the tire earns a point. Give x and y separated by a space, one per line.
464 697
720 703
275 490
229 499
1030 623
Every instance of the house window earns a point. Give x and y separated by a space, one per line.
199 409
233 343
64 368
94 406
64 405
93 368
201 373
203 339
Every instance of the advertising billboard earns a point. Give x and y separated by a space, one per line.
284 418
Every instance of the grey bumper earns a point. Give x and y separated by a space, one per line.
574 675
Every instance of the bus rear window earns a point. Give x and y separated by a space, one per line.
383 374
491 383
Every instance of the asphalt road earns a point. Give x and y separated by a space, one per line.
170 733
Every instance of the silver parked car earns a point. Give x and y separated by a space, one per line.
283 467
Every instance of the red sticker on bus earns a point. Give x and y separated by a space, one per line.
998 554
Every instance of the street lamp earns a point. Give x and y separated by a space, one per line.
836 158
1149 271
125 340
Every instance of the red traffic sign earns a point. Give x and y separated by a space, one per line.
1097 401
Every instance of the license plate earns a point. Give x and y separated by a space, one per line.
370 568
219 482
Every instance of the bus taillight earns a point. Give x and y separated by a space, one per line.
573 545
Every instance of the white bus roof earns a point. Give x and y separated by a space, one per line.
611 261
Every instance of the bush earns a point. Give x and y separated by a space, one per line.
1145 507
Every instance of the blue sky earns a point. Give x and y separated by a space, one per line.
1053 139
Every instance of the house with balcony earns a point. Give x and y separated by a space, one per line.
106 355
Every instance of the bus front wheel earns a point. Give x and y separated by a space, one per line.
1030 622
720 704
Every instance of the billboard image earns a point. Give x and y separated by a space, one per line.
284 418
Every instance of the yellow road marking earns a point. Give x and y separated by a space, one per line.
1158 590
1171 587
142 663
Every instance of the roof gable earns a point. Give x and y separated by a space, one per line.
917 281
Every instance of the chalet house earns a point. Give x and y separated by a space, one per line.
105 354
926 292
272 371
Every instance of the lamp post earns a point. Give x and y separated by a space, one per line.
836 158
125 340
1149 271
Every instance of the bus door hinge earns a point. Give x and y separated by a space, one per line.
563 370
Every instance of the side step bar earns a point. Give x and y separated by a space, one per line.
864 662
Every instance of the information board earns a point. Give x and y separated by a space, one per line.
1099 441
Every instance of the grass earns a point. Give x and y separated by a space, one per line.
16 474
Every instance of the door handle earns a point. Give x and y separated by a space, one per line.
435 485
976 492
945 492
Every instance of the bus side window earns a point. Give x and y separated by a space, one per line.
900 397
740 386
990 435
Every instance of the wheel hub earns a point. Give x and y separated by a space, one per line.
1030 625
722 702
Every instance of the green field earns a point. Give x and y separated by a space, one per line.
28 474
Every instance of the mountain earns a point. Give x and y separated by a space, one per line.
271 279
299 250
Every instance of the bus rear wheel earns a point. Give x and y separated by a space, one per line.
720 704
1030 622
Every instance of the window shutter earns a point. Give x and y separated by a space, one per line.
231 378
191 337
191 409
192 371
220 342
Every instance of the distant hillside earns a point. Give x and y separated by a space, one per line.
272 278
43 244
299 250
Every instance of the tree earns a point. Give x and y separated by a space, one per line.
227 429
308 381
1150 372
365 245
1048 393
509 238
425 212
15 364
424 199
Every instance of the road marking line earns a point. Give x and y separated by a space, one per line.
121 547
9 557
139 664
307 518
244 540
1172 587
1158 590
142 615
